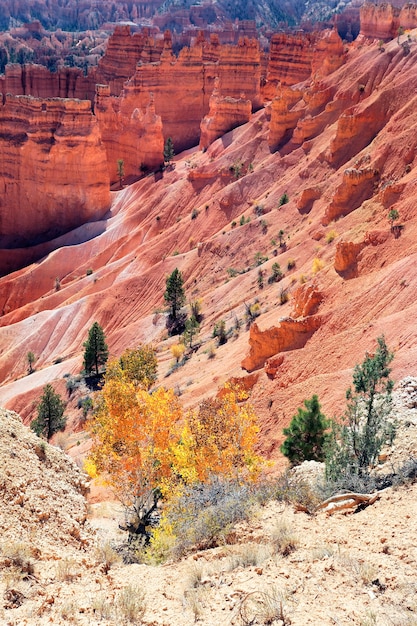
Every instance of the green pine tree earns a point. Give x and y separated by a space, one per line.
192 328
168 151
174 294
120 171
50 413
357 442
96 351
306 436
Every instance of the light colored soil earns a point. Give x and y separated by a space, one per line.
356 568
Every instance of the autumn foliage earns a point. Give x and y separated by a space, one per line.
134 435
146 448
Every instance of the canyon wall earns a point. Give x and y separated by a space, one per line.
182 86
382 21
225 114
38 81
124 51
53 171
133 136
294 58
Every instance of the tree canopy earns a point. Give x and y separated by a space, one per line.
366 426
140 366
174 293
50 417
146 448
306 436
96 351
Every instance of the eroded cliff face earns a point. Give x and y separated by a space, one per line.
382 21
38 81
225 113
53 171
133 136
181 87
124 50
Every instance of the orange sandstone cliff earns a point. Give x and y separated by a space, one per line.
53 171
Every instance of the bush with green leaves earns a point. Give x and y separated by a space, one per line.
367 426
219 331
50 417
306 434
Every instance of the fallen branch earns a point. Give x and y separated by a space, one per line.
350 500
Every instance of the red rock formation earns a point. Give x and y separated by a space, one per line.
358 126
328 55
357 185
133 136
53 171
284 116
181 86
38 81
123 52
290 59
225 113
307 299
382 21
291 334
307 198
346 258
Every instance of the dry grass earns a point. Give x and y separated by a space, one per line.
65 570
195 574
283 539
267 606
107 556
102 606
131 605
195 600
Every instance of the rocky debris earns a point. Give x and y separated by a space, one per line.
42 491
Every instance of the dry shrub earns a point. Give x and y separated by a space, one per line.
17 555
195 599
131 604
65 570
204 514
102 606
107 556
283 540
264 607
249 554
298 492
195 574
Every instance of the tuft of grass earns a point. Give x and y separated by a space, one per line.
195 574
131 604
318 265
266 606
65 570
331 236
107 556
102 606
283 541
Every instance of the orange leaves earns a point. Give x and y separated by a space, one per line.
134 433
224 435
142 441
